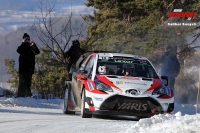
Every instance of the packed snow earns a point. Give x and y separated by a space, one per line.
41 116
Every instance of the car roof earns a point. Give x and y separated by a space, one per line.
104 54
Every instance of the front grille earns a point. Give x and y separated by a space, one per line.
128 104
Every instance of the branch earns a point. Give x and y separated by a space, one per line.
49 36
196 37
171 5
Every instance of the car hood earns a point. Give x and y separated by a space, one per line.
124 82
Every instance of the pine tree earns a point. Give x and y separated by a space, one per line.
135 26
10 64
50 73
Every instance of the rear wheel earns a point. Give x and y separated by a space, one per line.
66 100
83 112
65 109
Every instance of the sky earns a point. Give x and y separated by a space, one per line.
19 13
46 116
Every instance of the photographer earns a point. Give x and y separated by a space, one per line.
27 50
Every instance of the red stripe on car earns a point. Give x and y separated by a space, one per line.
166 96
107 81
87 87
156 84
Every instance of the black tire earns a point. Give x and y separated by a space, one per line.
83 112
66 97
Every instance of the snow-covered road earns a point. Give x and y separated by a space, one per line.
29 115
37 120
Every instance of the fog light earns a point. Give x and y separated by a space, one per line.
89 101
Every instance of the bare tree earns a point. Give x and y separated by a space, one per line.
56 39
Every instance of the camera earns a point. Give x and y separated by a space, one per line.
28 40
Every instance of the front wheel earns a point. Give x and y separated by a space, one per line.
83 112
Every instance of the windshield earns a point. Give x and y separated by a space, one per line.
124 66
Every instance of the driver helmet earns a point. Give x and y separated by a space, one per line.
102 69
129 70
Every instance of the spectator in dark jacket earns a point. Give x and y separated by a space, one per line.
73 54
27 50
169 66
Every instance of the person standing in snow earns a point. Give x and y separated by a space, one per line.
73 54
170 66
27 50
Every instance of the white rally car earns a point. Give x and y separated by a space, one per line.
117 84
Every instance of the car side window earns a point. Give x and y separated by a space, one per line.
82 65
89 66
152 73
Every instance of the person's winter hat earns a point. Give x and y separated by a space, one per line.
76 42
26 35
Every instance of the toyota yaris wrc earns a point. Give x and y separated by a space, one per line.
117 84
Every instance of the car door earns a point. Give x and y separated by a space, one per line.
81 77
74 83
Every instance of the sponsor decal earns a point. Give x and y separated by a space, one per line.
132 106
136 83
103 57
99 99
90 86
165 104
132 78
124 61
119 82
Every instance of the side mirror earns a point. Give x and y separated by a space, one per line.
82 75
165 80
83 78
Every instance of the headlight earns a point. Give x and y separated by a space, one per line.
161 90
101 86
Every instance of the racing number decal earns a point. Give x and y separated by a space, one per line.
90 86
132 106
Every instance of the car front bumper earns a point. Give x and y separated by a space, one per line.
123 105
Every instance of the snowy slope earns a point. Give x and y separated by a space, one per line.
40 115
